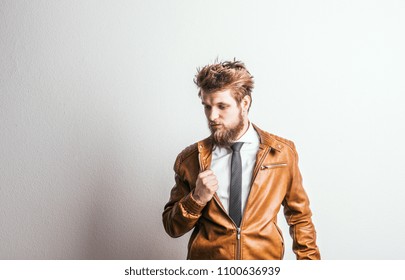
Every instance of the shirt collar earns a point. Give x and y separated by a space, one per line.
250 136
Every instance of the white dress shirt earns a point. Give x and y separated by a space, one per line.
221 166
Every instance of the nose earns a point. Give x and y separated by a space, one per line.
212 115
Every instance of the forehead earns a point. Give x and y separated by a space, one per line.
220 96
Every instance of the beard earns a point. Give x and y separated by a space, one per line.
224 136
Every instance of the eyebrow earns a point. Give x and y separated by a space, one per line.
219 103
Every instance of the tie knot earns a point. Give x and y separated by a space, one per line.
236 146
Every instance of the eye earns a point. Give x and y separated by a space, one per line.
222 107
207 107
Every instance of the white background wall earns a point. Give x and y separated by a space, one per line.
97 99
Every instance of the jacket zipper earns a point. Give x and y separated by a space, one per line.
273 166
238 229
238 249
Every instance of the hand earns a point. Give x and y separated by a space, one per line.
206 186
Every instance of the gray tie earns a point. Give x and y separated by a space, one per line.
235 200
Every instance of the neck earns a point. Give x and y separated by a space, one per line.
246 124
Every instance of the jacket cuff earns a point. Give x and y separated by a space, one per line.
191 206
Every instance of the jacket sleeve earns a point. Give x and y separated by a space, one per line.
182 211
298 216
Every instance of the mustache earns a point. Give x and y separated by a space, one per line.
214 123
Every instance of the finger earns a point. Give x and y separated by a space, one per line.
205 173
212 182
208 178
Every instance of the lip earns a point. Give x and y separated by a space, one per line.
215 125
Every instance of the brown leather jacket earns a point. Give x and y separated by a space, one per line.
276 181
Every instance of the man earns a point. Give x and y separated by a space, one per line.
231 185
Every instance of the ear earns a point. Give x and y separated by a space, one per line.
245 104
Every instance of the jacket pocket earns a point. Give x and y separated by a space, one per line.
273 165
192 243
280 234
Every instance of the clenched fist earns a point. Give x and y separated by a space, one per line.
206 186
